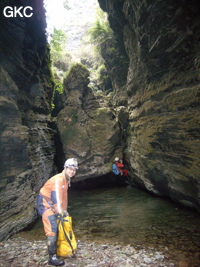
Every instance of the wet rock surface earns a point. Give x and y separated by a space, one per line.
18 252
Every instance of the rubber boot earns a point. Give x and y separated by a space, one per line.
53 260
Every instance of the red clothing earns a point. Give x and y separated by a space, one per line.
125 172
120 167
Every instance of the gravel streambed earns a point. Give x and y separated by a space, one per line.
17 252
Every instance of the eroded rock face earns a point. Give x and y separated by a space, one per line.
88 131
162 42
26 139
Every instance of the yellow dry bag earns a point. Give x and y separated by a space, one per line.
66 243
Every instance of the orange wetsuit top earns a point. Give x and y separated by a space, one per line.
55 190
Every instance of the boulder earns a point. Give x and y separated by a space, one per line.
89 132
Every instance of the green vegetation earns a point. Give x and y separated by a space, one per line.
97 36
60 58
58 40
88 55
103 79
100 31
60 63
58 91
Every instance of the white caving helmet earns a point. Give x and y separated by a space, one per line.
116 159
72 163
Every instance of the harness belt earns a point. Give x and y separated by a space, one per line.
49 201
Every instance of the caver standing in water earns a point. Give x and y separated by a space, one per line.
52 201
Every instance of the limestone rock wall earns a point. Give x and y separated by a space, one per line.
89 132
161 39
26 138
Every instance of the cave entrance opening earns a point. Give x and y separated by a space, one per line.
109 180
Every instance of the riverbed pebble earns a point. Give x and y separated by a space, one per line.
17 252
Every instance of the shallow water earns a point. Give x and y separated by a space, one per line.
130 216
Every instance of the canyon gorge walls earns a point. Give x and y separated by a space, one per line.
152 118
161 40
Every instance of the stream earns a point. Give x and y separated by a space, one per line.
126 215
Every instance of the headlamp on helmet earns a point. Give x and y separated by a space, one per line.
72 163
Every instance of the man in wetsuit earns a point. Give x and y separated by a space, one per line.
52 201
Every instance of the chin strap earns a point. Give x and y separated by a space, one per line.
68 180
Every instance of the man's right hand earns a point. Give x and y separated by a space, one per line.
65 213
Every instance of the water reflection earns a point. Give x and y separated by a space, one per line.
131 216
